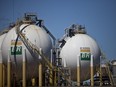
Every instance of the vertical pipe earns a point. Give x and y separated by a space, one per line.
9 70
78 70
54 74
92 73
24 69
58 66
51 73
100 74
40 74
51 56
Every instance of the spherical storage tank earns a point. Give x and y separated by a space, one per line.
36 35
80 44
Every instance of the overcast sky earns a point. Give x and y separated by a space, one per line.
98 16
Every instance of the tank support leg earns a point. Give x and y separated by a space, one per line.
24 70
40 74
78 71
51 71
9 71
92 73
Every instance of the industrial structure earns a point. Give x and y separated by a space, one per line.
31 56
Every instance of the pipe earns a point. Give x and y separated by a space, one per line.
92 72
51 56
24 69
54 39
51 72
9 70
78 70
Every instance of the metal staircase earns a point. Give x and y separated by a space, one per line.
109 74
107 63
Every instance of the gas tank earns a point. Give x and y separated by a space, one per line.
80 46
35 35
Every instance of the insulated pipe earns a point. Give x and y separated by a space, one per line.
24 69
78 70
1 71
9 70
51 72
92 73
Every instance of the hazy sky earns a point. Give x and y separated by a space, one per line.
98 16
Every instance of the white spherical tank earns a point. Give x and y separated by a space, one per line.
80 45
36 35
